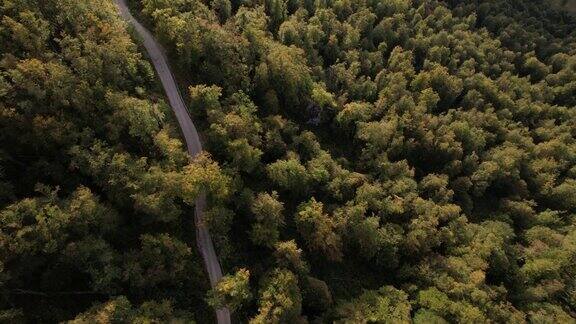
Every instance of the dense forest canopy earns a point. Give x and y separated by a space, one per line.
568 5
374 161
96 191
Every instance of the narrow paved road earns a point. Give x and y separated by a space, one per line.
160 62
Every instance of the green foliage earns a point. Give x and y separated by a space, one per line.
316 295
95 187
386 305
143 120
280 300
232 291
425 147
268 212
160 259
318 230
120 310
289 256
289 175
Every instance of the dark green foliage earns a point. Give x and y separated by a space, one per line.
420 154
95 187
382 161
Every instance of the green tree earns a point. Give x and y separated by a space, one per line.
386 305
289 256
232 291
267 210
318 230
285 70
290 175
279 300
120 310
160 259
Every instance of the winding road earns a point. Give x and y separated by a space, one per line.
160 62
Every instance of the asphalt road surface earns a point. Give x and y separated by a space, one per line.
160 62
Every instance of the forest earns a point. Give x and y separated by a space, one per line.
366 161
